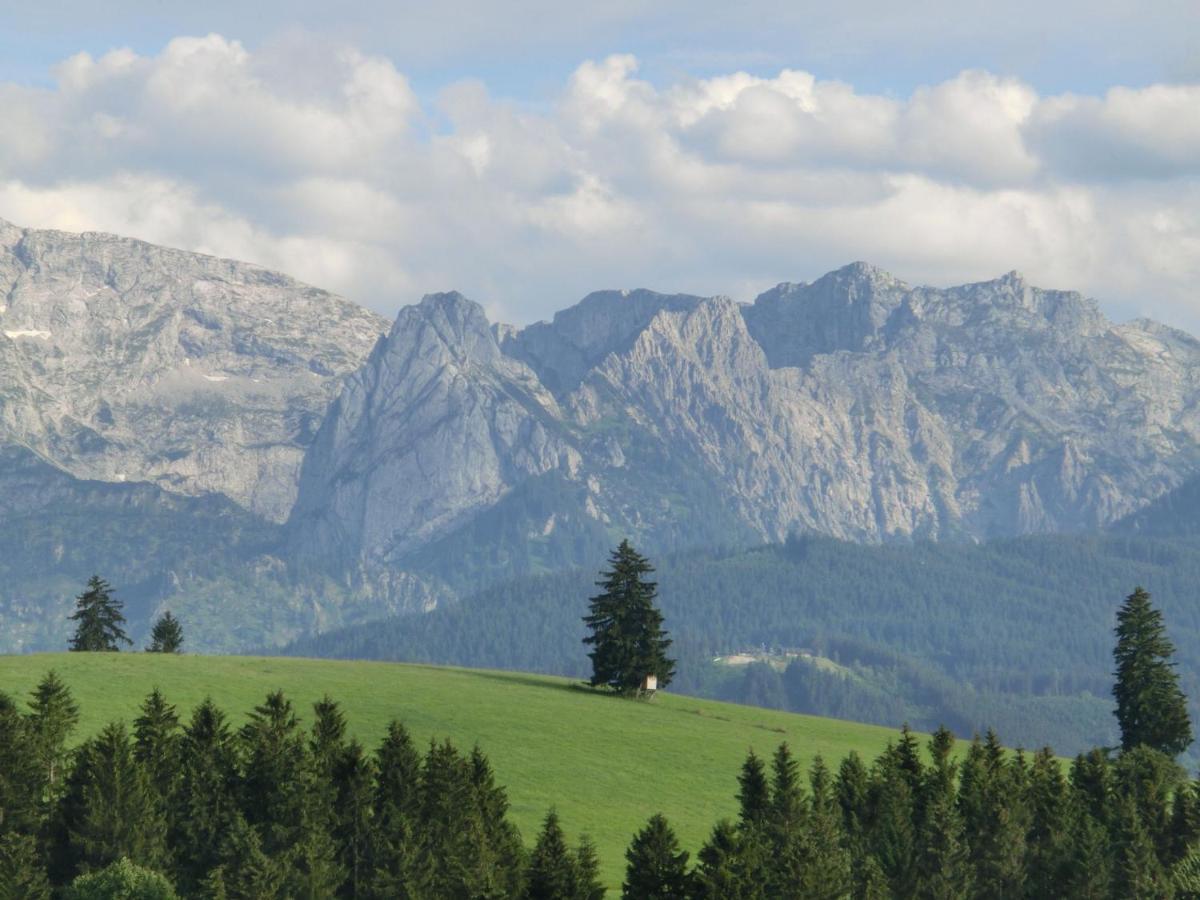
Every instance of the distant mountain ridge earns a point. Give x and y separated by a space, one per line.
856 406
417 463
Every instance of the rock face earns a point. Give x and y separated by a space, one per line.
122 361
438 425
857 406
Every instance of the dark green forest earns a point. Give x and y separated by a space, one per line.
268 811
273 811
1013 634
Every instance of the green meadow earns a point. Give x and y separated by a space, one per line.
605 763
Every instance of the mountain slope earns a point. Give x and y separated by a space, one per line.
123 361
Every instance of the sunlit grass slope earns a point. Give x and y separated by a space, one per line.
607 764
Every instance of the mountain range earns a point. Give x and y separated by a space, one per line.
299 454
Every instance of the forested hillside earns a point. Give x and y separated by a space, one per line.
1013 634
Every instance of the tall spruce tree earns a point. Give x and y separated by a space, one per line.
273 789
109 811
21 773
206 804
167 635
552 871
754 793
398 865
1151 708
354 781
99 616
53 715
657 868
627 636
826 870
587 871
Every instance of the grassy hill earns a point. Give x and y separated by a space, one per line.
607 764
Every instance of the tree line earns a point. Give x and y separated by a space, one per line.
270 810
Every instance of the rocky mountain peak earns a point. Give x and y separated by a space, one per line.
195 373
445 325
563 350
847 309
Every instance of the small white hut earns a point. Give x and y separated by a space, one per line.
650 684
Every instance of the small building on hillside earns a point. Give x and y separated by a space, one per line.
650 684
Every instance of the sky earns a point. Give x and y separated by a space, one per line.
527 153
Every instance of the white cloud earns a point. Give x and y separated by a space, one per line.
318 159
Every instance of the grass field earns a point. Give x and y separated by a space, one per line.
605 763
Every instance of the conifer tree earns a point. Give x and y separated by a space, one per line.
1047 837
588 885
313 871
99 616
1185 822
787 793
166 636
825 872
944 869
451 833
552 874
991 800
850 789
1092 784
891 838
716 876
109 812
1149 780
1137 872
399 867
53 716
156 746
206 803
1151 708
754 793
627 636
272 794
501 854
354 781
656 868
245 872
21 772
1087 872
326 745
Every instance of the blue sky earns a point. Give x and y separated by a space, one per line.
524 49
528 152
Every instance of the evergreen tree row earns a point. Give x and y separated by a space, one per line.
913 824
266 811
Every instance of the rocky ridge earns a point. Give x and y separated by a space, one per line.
857 406
413 463
126 361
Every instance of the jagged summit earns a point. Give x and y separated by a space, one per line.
857 405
